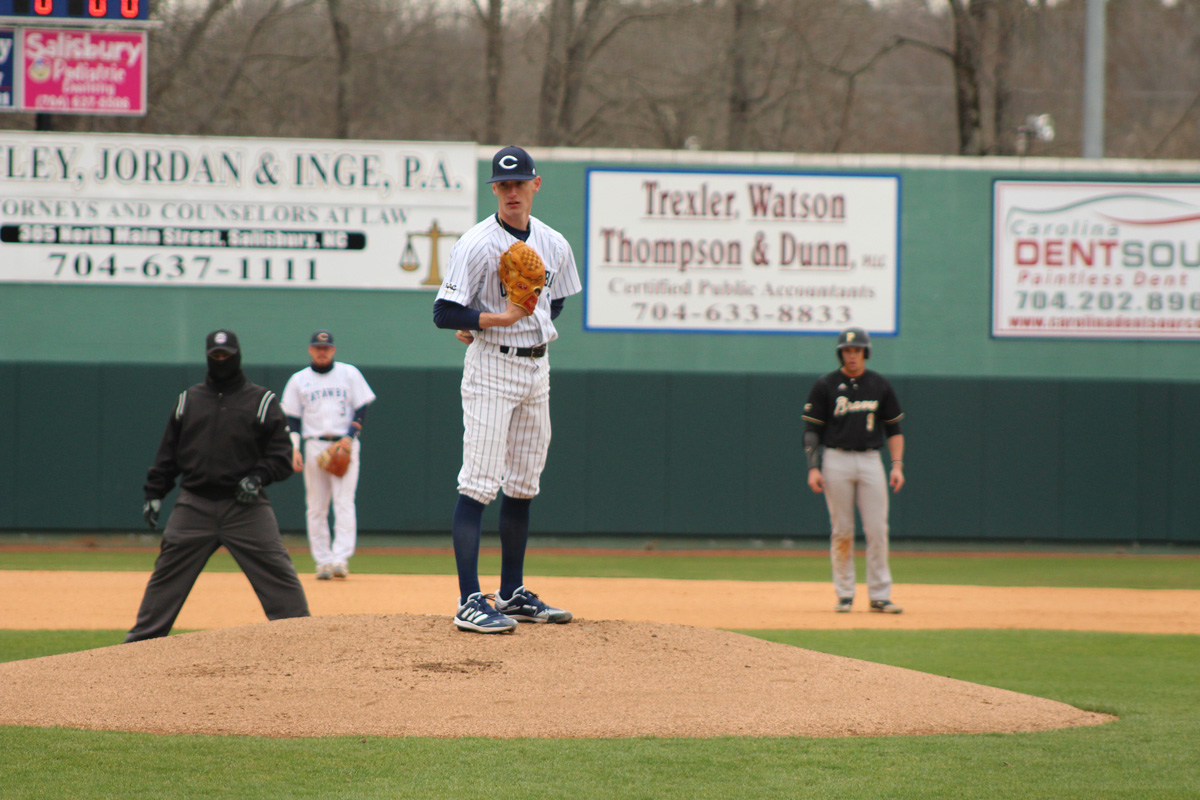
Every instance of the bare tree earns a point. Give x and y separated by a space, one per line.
740 42
784 75
1007 16
493 65
965 58
196 33
560 23
341 45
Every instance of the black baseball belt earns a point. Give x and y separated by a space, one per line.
537 351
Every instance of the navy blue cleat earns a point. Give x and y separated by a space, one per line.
478 616
525 606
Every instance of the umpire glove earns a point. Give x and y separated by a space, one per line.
150 511
248 489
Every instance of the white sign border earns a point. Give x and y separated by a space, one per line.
1066 334
645 168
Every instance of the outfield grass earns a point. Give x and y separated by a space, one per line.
1149 681
1064 570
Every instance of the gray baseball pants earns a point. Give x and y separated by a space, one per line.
196 528
853 480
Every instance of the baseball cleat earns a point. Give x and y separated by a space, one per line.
339 570
525 606
886 607
324 572
477 615
844 604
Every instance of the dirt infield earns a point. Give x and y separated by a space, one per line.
410 675
109 600
644 657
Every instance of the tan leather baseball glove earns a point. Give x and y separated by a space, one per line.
523 274
335 459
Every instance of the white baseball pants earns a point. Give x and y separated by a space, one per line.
857 479
506 423
320 487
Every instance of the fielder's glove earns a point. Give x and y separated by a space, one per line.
150 511
248 489
523 274
335 459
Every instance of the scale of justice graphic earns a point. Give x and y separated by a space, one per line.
409 262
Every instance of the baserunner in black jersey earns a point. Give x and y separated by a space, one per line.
850 414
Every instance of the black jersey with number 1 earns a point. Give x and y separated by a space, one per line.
853 413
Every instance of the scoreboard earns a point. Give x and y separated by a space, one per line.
76 10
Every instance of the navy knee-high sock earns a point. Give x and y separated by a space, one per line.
466 531
514 535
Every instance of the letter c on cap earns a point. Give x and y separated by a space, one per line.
508 162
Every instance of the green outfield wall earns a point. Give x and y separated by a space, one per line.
654 433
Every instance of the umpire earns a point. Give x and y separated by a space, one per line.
225 440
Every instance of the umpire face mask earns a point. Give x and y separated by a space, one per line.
224 366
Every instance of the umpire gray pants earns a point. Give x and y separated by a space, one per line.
857 480
196 528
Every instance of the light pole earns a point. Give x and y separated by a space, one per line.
1093 80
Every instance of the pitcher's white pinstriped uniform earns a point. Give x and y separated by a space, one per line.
506 397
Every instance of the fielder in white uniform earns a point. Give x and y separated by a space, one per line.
505 391
324 403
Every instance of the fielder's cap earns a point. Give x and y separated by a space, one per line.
512 164
322 338
221 340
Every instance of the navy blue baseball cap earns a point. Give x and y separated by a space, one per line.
221 340
322 337
512 164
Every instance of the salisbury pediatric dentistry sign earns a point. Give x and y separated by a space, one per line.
741 252
84 72
61 71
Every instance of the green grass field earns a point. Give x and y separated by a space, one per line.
1149 681
1046 569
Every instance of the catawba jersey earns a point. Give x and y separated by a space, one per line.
853 413
214 439
325 402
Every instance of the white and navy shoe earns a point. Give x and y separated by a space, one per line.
526 606
477 615
885 607
339 569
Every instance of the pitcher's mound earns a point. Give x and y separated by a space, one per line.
409 675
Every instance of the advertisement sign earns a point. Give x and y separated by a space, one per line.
83 72
1081 260
193 211
741 252
8 60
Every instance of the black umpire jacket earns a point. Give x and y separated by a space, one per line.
215 437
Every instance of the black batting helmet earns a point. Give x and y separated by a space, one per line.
854 337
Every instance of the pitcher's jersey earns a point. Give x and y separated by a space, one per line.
473 279
851 413
326 402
